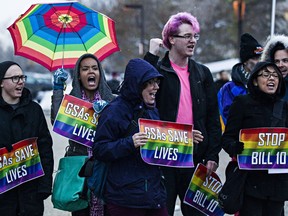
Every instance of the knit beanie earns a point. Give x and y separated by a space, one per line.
249 47
4 67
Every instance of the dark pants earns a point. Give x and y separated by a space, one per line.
22 201
115 210
177 181
258 207
82 212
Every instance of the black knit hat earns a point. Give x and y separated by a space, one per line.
4 67
249 47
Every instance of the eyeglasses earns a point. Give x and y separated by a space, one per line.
268 75
153 82
16 79
188 37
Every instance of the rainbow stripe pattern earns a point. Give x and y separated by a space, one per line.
76 120
169 143
264 148
55 35
20 165
203 192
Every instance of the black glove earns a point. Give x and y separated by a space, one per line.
235 148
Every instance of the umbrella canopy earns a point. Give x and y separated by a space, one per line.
55 35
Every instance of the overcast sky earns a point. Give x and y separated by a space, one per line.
10 11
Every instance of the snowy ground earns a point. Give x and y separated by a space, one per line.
45 103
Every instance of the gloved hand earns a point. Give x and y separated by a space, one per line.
235 148
98 106
60 77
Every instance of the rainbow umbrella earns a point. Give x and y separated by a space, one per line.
56 34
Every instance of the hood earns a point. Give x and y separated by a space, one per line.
137 72
103 88
239 76
271 43
254 89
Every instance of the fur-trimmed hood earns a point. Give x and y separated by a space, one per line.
270 44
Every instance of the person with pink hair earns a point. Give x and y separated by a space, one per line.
187 95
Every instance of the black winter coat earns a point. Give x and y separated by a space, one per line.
249 111
27 121
204 99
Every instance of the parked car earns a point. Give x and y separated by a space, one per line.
38 82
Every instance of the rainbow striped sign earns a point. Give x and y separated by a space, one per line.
169 143
264 148
20 165
203 192
76 120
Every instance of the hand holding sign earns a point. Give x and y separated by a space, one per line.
139 139
202 192
211 167
197 136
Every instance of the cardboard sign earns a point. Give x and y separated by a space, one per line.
20 165
202 193
76 120
264 148
169 143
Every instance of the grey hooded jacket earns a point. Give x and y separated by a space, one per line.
104 90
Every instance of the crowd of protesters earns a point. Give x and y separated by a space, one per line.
173 88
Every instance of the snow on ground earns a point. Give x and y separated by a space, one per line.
45 103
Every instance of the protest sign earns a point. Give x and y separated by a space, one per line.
20 165
169 143
76 120
264 148
203 192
